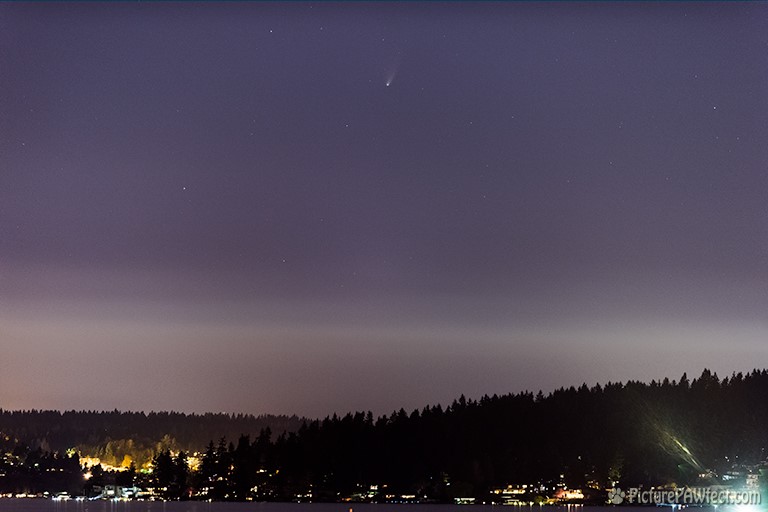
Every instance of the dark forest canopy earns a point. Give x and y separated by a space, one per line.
111 435
633 433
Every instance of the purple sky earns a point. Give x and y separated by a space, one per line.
308 208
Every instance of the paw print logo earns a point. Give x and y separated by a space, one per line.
616 496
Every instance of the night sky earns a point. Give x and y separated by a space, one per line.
308 208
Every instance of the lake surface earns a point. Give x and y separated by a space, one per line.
41 505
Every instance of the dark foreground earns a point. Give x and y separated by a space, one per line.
42 505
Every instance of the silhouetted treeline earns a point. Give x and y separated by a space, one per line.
626 434
630 434
31 470
113 435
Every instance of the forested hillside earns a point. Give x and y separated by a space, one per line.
113 435
634 433
704 431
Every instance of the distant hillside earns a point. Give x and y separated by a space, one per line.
114 435
705 431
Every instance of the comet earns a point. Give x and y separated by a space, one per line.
392 73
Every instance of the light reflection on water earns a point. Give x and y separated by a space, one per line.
40 505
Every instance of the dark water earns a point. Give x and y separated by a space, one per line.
40 505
